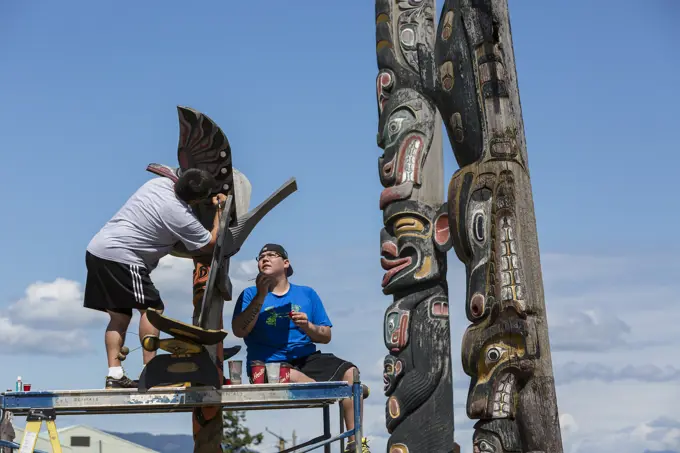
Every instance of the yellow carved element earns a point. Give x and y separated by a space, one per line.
410 224
382 17
508 348
425 269
393 407
383 44
183 333
407 223
183 367
447 29
175 346
446 75
398 448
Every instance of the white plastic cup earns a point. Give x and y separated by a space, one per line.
235 371
273 372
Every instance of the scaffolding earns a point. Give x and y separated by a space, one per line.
36 405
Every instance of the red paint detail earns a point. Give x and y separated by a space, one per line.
384 82
395 193
440 309
441 229
393 267
403 330
183 159
389 248
477 305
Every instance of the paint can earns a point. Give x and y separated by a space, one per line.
257 372
284 373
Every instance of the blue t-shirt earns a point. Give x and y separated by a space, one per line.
275 337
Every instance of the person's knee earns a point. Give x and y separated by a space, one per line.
349 374
118 320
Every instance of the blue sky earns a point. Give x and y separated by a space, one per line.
89 97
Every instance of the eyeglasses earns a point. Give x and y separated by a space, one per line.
269 255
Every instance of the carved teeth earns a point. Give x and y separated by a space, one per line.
503 396
512 288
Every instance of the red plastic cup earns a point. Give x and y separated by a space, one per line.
257 370
284 373
27 387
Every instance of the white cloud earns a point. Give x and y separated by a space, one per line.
648 437
572 371
18 339
589 330
57 305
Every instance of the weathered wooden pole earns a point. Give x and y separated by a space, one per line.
415 237
505 350
466 73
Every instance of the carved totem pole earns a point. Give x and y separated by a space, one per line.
203 145
415 238
466 73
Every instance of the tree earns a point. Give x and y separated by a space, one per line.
236 435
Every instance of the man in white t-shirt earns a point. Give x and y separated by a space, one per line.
122 254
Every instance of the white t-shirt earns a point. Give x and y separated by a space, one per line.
148 225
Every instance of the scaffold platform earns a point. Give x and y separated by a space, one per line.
246 397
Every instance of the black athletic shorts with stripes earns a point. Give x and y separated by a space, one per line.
118 287
322 367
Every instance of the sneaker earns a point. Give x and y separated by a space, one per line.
122 383
351 447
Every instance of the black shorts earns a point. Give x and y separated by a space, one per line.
322 367
118 287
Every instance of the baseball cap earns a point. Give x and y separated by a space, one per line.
276 248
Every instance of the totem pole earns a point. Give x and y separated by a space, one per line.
415 237
468 75
203 145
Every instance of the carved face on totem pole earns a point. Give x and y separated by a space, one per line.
499 347
412 242
406 128
392 372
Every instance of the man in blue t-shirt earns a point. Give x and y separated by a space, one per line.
281 322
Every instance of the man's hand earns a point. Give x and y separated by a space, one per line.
219 199
318 334
300 319
264 283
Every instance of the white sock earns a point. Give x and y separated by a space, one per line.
116 372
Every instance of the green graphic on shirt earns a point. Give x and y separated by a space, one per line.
273 316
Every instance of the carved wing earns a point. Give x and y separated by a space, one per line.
203 144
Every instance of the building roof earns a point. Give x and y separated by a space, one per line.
104 434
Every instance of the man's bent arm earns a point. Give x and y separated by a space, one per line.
213 233
243 323
318 334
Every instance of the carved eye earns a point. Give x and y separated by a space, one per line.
391 324
394 126
479 227
485 446
389 369
493 354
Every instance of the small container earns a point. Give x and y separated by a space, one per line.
27 387
273 372
235 371
19 387
257 372
284 374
